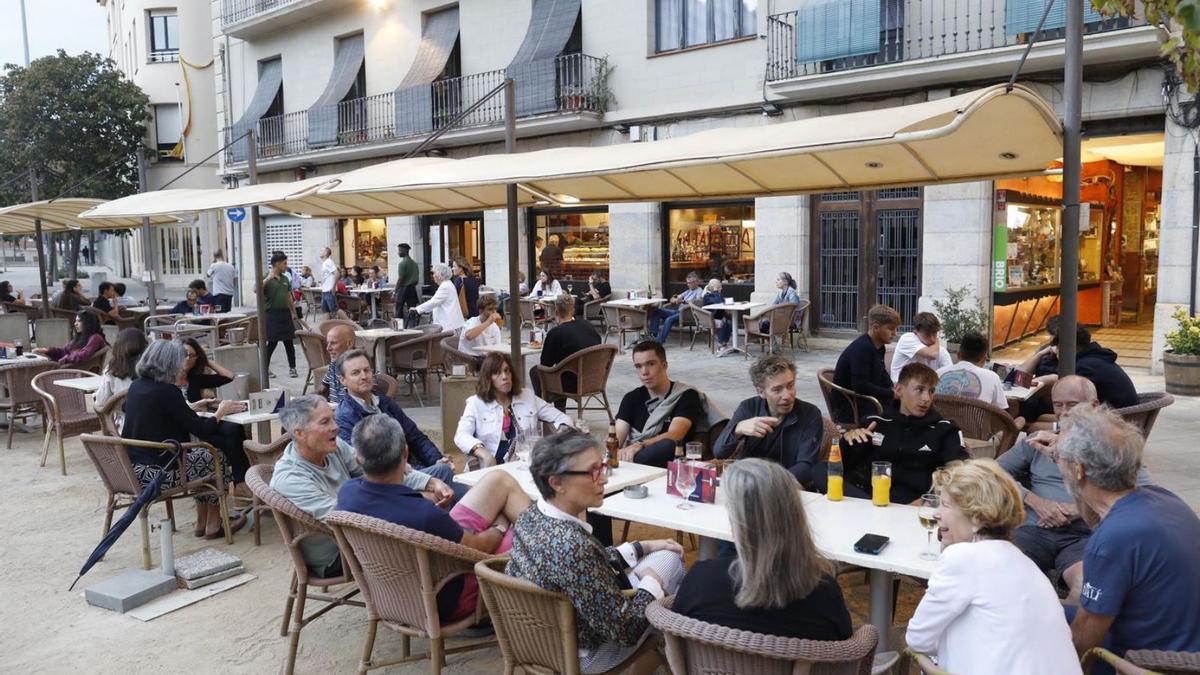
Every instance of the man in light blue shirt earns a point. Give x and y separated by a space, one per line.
663 318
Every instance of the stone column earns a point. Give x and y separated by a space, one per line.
956 241
635 246
1176 274
495 244
404 230
781 244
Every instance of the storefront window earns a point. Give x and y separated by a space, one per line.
1031 245
571 244
364 242
715 241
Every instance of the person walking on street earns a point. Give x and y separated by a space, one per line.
329 277
281 311
407 275
224 280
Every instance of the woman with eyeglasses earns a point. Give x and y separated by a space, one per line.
554 548
199 373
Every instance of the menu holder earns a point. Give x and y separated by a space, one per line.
267 401
707 481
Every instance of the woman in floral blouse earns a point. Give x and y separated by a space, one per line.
553 547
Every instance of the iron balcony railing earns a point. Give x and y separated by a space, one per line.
164 56
372 119
235 11
915 29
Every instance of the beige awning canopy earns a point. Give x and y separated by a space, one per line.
58 215
982 134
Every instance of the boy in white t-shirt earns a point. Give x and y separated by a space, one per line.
968 377
922 345
482 330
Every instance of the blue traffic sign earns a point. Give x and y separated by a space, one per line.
236 214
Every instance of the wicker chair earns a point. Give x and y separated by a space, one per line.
925 665
20 400
296 525
263 454
52 332
66 410
593 309
387 385
591 367
400 572
410 358
318 375
856 401
352 305
313 345
1145 413
1144 661
455 356
705 323
112 414
110 456
620 320
978 419
780 319
695 646
798 327
535 627
94 365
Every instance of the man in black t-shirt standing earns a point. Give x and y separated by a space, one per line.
658 415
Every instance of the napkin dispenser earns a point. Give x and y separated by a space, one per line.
267 401
707 481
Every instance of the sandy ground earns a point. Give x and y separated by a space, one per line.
52 521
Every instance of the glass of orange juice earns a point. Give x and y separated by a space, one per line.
881 483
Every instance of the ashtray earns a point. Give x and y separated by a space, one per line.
637 492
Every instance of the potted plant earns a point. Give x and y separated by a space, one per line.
959 316
1181 359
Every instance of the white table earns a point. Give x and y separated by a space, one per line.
374 294
733 308
636 303
505 347
1016 393
25 359
143 309
835 527
625 475
84 384
376 339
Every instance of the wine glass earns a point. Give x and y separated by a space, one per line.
925 512
685 482
694 451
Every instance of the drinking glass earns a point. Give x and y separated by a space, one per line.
685 482
694 451
881 483
925 512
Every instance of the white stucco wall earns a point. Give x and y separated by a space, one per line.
1177 277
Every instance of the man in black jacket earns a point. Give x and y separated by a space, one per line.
911 435
569 336
774 425
860 367
1096 363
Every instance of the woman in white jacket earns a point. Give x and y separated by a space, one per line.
444 306
548 286
499 410
988 608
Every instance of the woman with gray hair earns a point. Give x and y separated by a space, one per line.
444 305
156 410
554 548
778 583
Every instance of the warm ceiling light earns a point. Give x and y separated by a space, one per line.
874 165
565 199
1008 155
378 4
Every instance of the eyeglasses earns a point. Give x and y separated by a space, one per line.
594 473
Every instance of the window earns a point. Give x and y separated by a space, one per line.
168 128
572 243
164 35
714 240
690 23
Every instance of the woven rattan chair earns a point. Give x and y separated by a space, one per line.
1144 661
111 459
592 309
400 571
925 665
66 410
1145 413
20 400
695 646
780 319
112 414
95 363
411 358
263 454
619 320
978 419
535 627
318 375
861 405
591 367
296 525
387 385
798 327
705 323
454 356
52 332
352 305
313 345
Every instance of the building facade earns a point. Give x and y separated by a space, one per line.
332 85
165 47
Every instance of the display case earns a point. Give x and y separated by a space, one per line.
715 241
582 238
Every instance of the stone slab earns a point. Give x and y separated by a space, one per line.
129 590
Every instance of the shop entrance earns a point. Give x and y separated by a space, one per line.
866 250
364 243
448 237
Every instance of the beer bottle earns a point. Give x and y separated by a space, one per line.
610 448
835 481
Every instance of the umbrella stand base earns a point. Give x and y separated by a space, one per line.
129 590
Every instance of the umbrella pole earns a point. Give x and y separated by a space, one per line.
1072 128
514 286
147 243
41 247
256 234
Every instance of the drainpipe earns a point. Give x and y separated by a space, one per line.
1195 223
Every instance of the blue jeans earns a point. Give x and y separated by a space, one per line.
725 331
668 315
328 303
667 324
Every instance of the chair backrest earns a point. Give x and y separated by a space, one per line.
399 569
978 419
1145 413
387 385
695 646
14 326
295 524
18 381
52 332
266 453
63 404
631 318
781 317
454 355
437 357
801 314
856 401
534 627
111 459
313 344
241 359
325 326
112 413
591 367
413 352
704 318
95 363
319 375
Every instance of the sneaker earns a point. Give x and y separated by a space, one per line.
292 372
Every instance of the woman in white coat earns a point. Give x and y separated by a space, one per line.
499 410
988 608
547 285
444 306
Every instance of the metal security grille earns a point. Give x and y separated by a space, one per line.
899 279
840 197
287 237
899 193
838 260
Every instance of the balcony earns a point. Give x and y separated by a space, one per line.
931 42
250 18
367 126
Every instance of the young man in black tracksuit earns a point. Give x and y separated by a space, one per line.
911 435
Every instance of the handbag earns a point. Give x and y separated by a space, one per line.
462 301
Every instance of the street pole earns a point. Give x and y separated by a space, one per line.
514 286
256 234
25 35
41 246
148 274
1072 137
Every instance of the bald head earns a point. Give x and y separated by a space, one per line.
338 340
1073 390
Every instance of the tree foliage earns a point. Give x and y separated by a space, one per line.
1181 18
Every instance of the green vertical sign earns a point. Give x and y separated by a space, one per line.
1000 243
